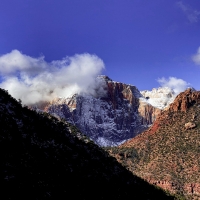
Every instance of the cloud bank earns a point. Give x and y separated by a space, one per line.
192 15
34 80
176 84
196 57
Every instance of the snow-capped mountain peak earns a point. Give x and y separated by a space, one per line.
112 116
159 97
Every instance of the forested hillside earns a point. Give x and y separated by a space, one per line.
44 158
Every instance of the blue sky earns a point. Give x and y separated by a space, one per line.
139 41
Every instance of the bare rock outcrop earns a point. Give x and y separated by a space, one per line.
185 99
190 125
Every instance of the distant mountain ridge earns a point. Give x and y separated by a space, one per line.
120 114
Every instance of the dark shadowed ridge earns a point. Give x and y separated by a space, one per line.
44 158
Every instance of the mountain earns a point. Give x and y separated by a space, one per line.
168 153
46 158
159 97
121 112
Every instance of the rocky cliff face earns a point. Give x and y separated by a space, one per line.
148 112
110 119
185 99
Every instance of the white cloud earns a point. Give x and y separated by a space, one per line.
33 79
192 14
178 85
15 61
196 57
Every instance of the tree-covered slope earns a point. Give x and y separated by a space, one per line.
168 154
44 158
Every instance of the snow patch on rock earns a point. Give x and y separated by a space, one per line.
159 97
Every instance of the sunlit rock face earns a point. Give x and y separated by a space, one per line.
119 113
185 99
148 112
